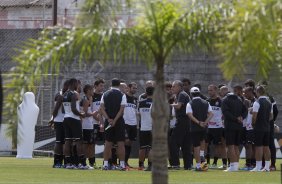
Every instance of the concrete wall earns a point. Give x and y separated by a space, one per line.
25 18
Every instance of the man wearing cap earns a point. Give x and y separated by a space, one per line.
200 113
180 134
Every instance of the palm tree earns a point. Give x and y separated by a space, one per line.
161 28
252 37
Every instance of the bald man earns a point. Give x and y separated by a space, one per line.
223 91
180 136
143 96
123 88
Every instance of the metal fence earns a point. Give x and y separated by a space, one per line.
21 20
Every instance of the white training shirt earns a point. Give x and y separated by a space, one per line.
216 121
60 115
130 111
173 120
68 111
87 122
96 104
145 108
249 120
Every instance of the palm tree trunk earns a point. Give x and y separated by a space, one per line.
160 115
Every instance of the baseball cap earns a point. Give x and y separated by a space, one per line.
194 90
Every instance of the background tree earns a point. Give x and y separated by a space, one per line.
252 37
161 28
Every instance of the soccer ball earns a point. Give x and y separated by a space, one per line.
276 128
204 166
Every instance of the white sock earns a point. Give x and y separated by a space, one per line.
121 163
198 165
258 164
232 165
106 163
267 165
236 165
202 153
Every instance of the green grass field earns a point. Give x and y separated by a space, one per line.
39 171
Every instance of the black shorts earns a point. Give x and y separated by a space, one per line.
197 137
73 129
243 136
98 135
60 132
116 133
223 133
261 138
232 137
145 139
250 137
215 136
88 136
131 132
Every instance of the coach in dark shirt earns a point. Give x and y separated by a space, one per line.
234 111
112 107
180 134
262 114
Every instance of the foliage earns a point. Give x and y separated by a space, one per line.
252 36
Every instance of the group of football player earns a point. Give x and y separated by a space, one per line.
217 125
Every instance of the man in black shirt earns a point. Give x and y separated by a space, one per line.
180 134
234 111
238 90
262 114
200 113
272 122
112 107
